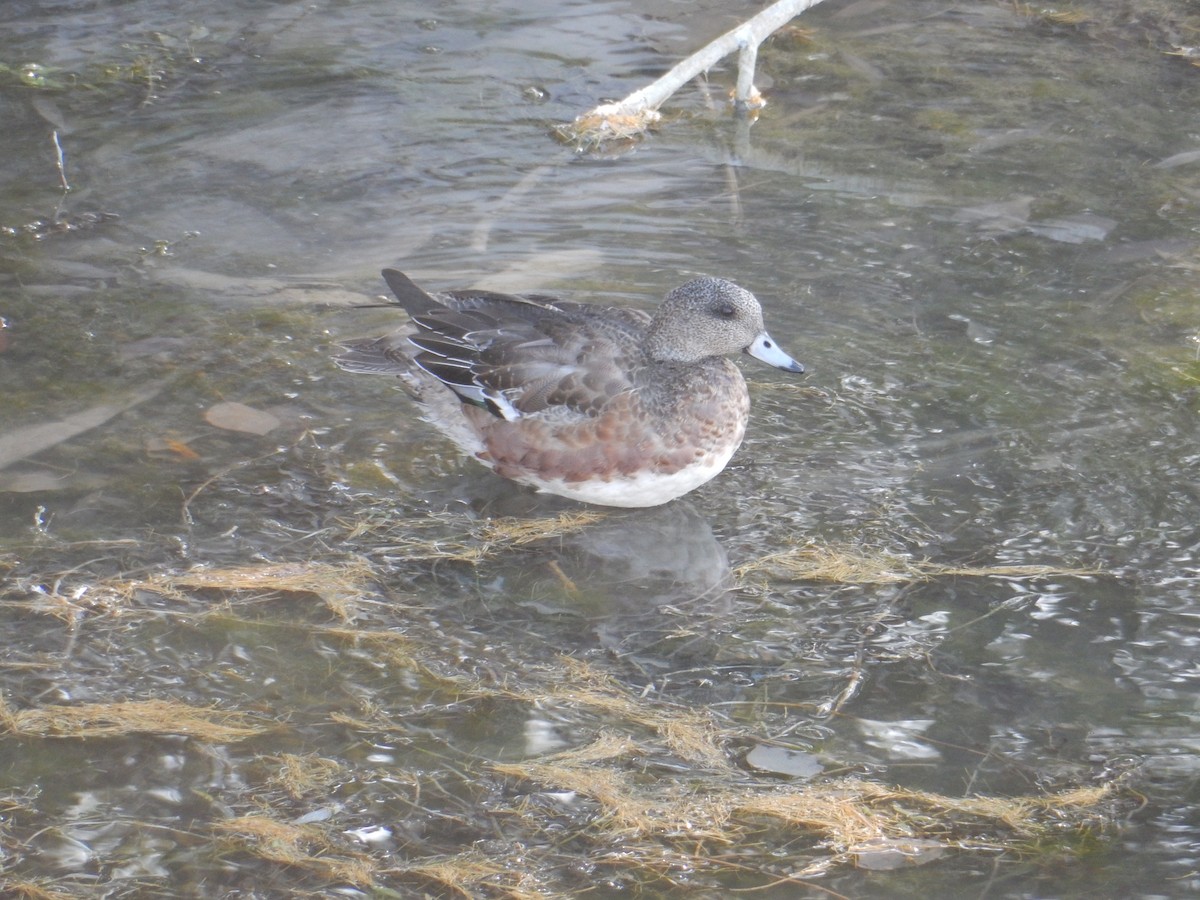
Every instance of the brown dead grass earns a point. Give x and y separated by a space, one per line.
619 810
689 734
1068 15
594 129
454 538
849 816
338 585
304 846
846 565
472 874
663 823
30 890
91 720
300 775
510 532
854 812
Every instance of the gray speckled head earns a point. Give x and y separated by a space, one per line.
711 317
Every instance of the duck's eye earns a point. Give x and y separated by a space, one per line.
725 310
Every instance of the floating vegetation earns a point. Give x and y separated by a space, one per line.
1052 16
33 75
302 846
593 130
474 873
144 66
455 539
66 223
1158 23
649 791
1191 54
29 890
686 733
338 585
711 820
847 565
299 776
92 720
852 817
1168 305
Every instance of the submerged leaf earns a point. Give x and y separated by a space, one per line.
239 417
883 854
20 443
783 761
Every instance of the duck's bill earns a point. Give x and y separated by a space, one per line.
768 351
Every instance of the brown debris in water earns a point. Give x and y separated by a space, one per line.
1069 15
691 735
596 129
303 846
859 822
454 539
29 890
655 798
470 873
847 565
300 775
339 585
90 720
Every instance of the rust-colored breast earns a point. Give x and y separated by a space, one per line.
677 418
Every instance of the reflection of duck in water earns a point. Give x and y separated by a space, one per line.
626 582
594 403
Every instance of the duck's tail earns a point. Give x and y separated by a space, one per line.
415 300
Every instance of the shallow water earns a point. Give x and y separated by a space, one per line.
976 226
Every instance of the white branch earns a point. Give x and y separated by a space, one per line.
640 108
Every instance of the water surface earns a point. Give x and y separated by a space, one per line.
976 225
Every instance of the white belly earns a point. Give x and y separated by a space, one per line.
647 489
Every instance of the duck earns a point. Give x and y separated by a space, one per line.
601 404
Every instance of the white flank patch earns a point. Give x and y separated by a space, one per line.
646 489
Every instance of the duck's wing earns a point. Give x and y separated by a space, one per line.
519 355
514 355
456 316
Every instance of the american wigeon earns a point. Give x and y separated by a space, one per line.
596 403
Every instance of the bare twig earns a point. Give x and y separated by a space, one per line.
61 160
639 110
